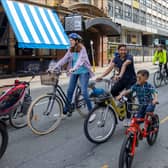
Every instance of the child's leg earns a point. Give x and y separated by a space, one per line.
144 109
150 108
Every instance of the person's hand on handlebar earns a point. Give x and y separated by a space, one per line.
71 70
99 79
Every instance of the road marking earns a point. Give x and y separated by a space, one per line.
105 166
164 120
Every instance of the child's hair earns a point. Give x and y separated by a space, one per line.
144 72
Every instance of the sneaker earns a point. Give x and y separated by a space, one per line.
92 118
64 116
69 114
127 122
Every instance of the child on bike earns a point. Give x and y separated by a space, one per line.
146 94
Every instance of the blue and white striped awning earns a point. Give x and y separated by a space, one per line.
35 26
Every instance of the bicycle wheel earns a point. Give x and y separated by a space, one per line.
80 103
165 77
152 130
100 124
44 114
17 118
157 79
3 139
125 158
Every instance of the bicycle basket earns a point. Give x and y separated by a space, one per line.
134 108
49 78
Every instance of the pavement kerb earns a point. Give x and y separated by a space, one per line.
64 79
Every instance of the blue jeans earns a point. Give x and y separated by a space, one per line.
144 109
84 79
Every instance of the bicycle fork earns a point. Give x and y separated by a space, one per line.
134 141
101 123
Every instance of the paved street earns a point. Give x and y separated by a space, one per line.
67 147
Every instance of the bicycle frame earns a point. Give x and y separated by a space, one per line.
136 130
58 91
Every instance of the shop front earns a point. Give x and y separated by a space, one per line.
26 43
96 28
33 29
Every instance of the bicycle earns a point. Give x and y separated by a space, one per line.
100 124
136 132
14 102
159 77
3 138
47 110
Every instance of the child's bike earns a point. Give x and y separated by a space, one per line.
14 102
135 132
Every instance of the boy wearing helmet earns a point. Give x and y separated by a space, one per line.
78 67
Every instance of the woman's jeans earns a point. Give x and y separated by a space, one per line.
84 79
144 109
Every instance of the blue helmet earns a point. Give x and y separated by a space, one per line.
75 36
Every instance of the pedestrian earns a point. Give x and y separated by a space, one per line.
160 55
78 67
146 94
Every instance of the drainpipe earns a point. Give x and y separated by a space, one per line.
102 4
102 50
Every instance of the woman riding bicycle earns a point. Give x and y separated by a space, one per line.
78 68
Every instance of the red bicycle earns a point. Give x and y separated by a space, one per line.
135 132
14 102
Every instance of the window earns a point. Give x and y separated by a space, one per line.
110 8
85 1
135 15
132 38
118 10
148 20
154 6
143 2
128 13
154 21
142 18
149 3
160 8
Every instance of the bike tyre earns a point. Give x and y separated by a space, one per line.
151 137
125 157
31 113
4 141
16 113
165 78
157 80
111 131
